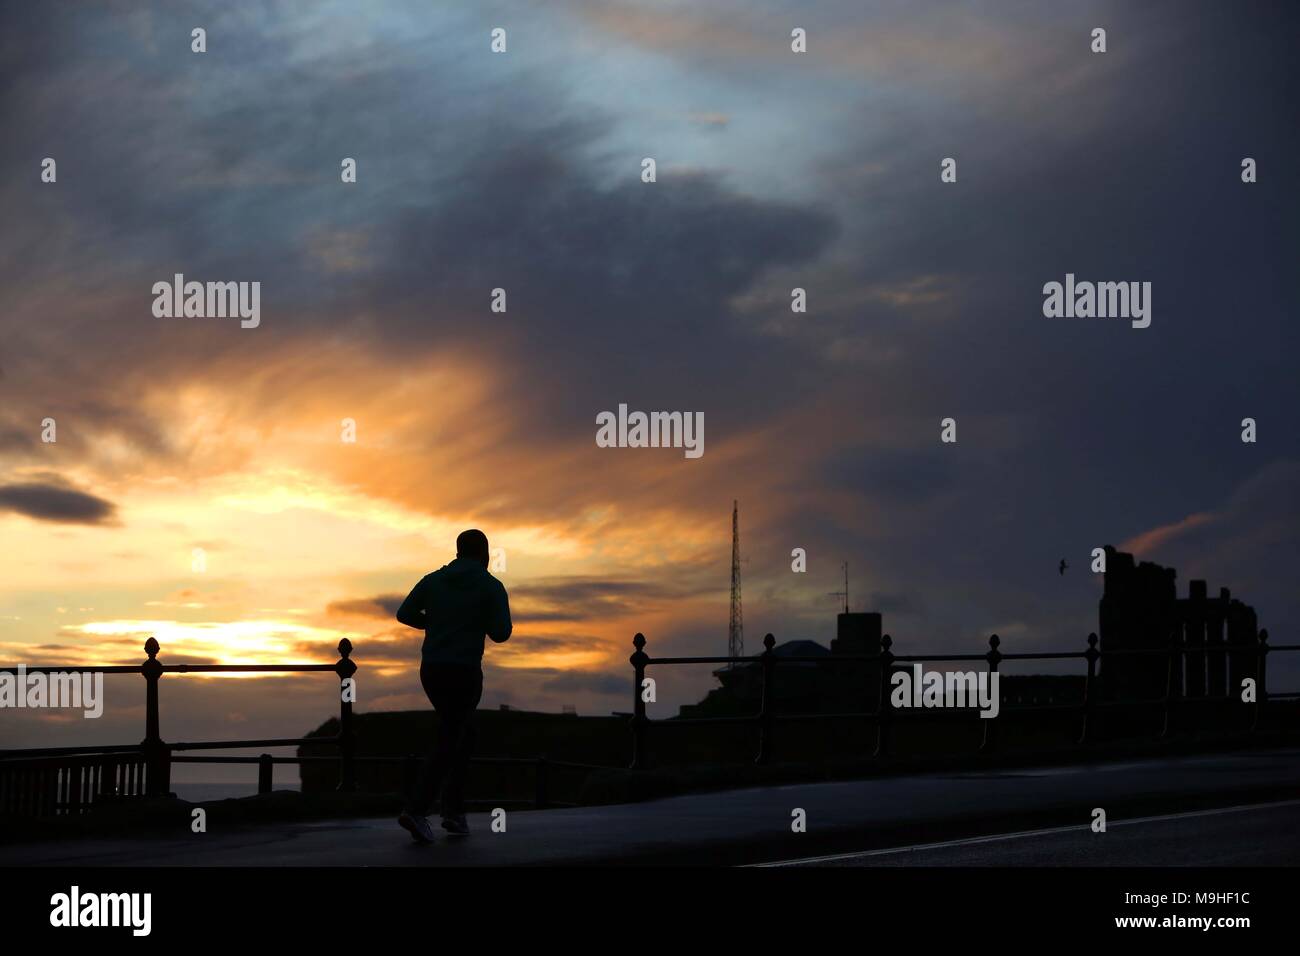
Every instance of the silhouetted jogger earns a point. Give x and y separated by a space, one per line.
456 606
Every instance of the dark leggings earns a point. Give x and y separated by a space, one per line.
454 690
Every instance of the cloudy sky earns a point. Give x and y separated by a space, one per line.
522 171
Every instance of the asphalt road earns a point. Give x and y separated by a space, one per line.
1252 835
755 825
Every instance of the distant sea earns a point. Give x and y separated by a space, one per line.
199 792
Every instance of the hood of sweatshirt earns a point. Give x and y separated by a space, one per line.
464 574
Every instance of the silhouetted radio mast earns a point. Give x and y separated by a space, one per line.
736 630
845 593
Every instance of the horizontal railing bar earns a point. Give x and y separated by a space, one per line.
702 660
240 744
71 751
195 758
242 668
166 668
73 669
1006 708
1181 648
1120 704
249 759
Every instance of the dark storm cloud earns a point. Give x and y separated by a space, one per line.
571 598
553 680
583 590
383 606
904 604
899 476
55 501
531 643
581 598
590 682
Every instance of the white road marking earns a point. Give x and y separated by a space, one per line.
1021 834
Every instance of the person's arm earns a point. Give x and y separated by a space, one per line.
499 626
411 613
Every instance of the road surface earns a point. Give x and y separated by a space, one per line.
1253 835
755 825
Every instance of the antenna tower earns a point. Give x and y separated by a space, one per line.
736 629
845 593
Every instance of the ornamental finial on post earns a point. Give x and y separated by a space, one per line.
346 666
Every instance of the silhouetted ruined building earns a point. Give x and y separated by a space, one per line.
1140 609
1137 611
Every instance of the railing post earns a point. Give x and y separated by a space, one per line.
1091 655
156 753
767 709
884 707
543 795
638 659
345 668
994 656
264 772
1261 676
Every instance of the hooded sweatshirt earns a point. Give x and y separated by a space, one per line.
457 605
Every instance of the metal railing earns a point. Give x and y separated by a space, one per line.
52 780
50 785
69 779
884 714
